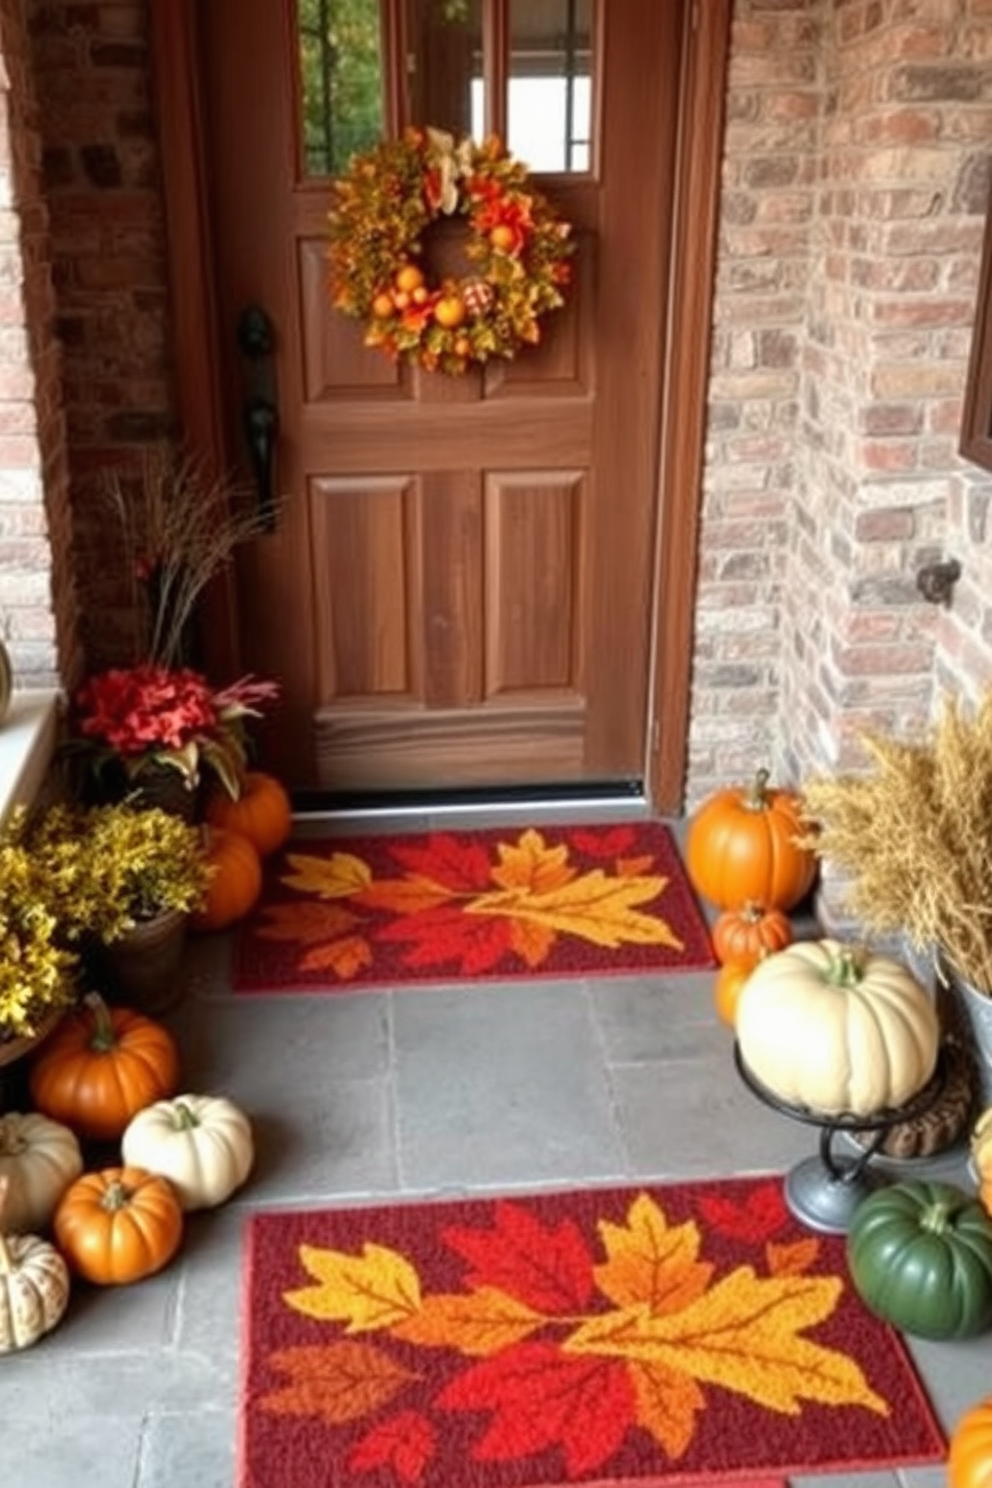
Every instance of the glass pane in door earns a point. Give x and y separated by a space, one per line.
549 104
444 63
341 82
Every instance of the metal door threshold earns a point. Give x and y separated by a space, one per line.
588 800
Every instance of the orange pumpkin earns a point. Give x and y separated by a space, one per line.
235 882
741 937
727 989
262 812
741 847
118 1225
100 1067
969 1462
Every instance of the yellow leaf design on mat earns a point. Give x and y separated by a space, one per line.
404 896
475 1323
340 1382
532 943
307 923
743 1334
531 865
345 957
374 1290
595 907
650 1263
337 877
668 1403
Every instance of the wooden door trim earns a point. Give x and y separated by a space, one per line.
683 413
182 138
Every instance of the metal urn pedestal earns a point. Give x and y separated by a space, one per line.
823 1192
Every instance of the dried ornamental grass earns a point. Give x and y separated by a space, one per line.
914 837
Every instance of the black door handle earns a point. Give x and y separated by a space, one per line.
261 412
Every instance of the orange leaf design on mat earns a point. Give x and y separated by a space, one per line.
309 923
649 1263
335 877
743 1334
635 867
532 943
795 1259
345 957
339 1383
373 1290
668 1403
406 1443
594 907
403 896
480 1323
532 866
541 1399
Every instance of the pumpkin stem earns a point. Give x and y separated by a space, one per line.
186 1119
845 969
103 1038
757 797
115 1196
937 1217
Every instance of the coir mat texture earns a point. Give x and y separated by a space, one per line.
340 914
643 1336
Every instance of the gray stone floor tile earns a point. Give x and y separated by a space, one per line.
56 1449
197 1449
501 1084
696 1119
650 1018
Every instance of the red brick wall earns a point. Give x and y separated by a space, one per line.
92 63
856 178
38 610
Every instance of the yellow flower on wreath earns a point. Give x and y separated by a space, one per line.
517 245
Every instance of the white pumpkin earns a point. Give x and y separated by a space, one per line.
34 1286
39 1158
837 1029
202 1143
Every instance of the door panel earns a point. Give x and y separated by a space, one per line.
459 588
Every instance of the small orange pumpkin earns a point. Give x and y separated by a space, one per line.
741 937
741 846
727 989
262 812
235 881
118 1225
100 1067
969 1462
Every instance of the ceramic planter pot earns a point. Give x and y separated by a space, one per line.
975 1007
145 963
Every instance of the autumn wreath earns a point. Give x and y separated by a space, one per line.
517 246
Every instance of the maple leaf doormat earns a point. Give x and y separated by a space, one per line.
339 914
639 1336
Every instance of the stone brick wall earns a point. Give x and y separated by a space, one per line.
856 181
38 610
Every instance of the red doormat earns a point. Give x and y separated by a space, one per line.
642 1336
340 914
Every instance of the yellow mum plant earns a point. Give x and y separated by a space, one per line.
36 969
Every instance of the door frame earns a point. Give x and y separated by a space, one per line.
178 91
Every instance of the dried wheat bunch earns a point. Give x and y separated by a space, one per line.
913 837
179 529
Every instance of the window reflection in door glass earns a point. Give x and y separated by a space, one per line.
549 107
444 66
341 90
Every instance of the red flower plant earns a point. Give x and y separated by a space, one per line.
157 715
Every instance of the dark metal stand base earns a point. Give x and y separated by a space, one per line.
822 1200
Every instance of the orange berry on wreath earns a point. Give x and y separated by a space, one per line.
409 278
502 237
382 306
450 311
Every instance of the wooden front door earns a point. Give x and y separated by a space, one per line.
460 586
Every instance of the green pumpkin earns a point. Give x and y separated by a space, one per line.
920 1256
